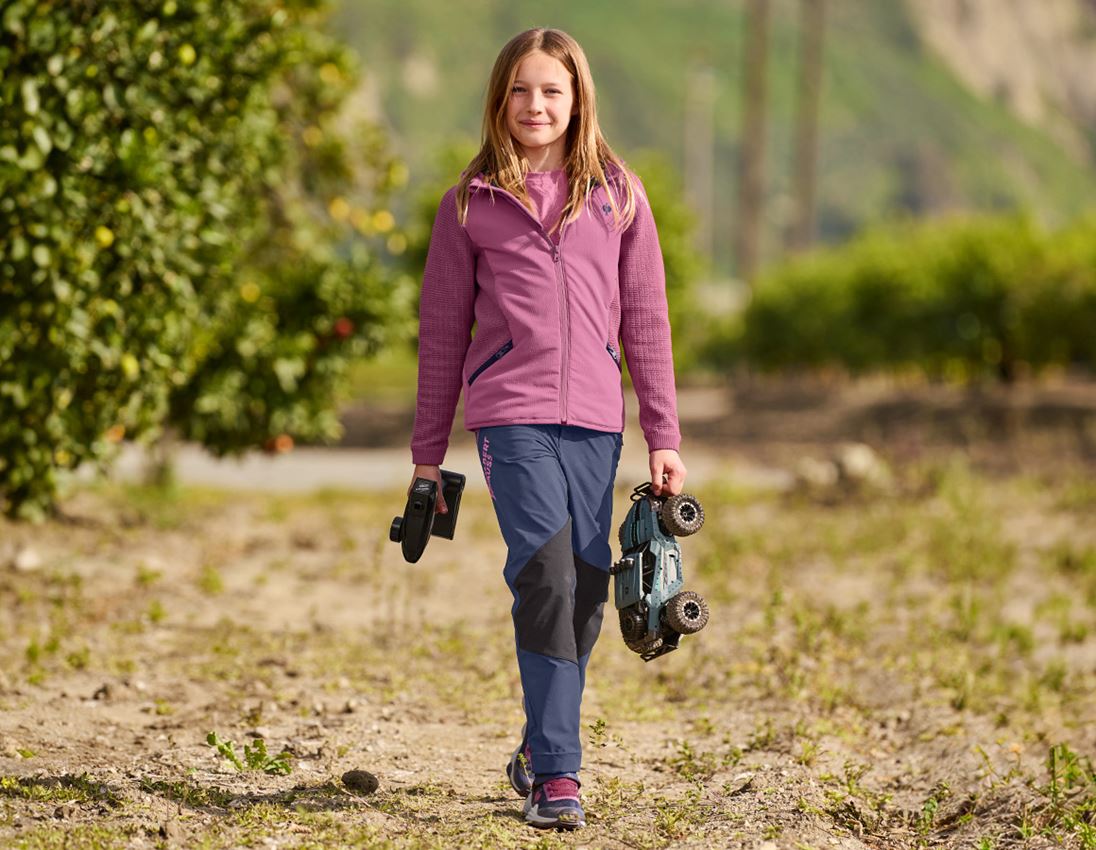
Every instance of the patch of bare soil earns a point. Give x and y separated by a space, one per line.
899 663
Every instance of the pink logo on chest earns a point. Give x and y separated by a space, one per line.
485 457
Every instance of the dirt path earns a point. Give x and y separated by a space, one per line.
885 668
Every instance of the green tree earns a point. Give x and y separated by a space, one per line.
190 235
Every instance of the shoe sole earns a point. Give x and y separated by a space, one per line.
513 764
511 768
566 820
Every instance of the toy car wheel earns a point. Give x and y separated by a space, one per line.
686 612
633 627
644 646
682 515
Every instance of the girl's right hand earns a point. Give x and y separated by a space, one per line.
423 470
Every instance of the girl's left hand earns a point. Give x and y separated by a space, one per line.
667 462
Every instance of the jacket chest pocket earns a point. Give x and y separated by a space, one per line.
490 360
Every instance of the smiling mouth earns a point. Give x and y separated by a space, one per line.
530 124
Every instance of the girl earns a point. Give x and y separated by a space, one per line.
548 245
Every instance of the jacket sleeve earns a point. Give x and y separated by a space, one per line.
645 326
445 325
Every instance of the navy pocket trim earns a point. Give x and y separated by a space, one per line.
509 344
615 356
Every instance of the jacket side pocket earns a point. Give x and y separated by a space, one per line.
497 355
615 355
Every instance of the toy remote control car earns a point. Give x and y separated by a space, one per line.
654 611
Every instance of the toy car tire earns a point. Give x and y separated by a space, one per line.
686 612
645 645
682 515
633 627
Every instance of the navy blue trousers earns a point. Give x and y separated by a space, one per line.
552 488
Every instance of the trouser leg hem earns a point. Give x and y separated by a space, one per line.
546 763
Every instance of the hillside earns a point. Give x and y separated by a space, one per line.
1036 59
901 130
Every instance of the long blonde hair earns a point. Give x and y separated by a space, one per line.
588 156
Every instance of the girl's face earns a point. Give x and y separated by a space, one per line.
540 107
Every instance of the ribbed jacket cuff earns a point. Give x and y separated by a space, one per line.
663 440
427 457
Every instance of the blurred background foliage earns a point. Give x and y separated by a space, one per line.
905 137
900 131
188 236
951 299
214 216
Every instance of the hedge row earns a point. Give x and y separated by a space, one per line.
953 299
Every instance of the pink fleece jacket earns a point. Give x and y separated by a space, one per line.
549 313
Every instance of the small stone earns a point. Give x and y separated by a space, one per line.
304 540
360 780
816 474
351 706
26 560
170 829
259 732
342 682
104 691
740 783
859 464
65 811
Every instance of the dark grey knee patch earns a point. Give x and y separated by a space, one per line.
543 618
591 593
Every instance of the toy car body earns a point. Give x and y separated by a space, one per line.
654 611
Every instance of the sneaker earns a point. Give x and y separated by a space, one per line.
519 770
555 804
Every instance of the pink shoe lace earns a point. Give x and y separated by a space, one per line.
561 789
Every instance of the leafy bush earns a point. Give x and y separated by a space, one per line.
955 299
178 207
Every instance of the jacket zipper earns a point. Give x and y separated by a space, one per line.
509 344
564 324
